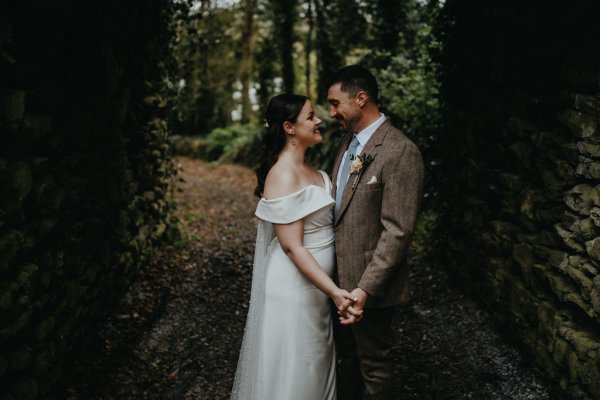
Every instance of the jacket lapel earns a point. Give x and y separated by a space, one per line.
371 148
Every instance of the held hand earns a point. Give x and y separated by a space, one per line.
343 299
350 316
351 313
361 298
354 313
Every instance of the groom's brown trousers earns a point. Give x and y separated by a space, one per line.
365 359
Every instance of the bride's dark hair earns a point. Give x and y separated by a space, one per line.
281 108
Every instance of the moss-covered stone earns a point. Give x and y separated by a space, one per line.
42 362
585 229
581 198
589 149
589 104
588 170
22 180
20 358
595 215
3 366
26 275
553 257
12 105
584 343
579 124
523 254
541 156
595 293
592 248
569 239
11 242
6 298
583 280
25 389
44 328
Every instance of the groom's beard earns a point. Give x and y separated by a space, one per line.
347 124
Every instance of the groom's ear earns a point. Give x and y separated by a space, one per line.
361 98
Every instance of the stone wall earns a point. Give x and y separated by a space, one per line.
518 175
83 174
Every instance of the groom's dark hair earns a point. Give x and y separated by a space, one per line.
353 79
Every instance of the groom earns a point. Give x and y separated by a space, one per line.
378 180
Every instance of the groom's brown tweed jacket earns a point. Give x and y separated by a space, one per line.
377 217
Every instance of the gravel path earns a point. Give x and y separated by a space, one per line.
177 332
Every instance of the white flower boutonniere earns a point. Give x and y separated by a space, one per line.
358 165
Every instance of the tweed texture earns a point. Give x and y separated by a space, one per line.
377 217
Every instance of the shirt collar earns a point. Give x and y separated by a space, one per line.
364 135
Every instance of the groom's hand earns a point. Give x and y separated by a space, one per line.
360 297
346 319
344 302
350 315
359 304
354 313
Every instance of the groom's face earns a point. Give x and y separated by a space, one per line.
343 107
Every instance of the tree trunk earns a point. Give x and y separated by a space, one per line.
309 17
284 19
246 62
328 59
388 21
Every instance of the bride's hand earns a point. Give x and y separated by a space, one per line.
343 299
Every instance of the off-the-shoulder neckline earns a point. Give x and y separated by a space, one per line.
323 188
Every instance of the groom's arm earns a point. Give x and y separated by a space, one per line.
402 178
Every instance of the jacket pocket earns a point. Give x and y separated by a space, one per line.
369 188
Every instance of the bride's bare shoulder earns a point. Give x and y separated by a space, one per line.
280 181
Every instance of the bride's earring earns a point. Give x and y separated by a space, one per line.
293 141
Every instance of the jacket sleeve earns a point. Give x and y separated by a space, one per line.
402 178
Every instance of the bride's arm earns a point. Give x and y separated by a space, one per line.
280 182
291 237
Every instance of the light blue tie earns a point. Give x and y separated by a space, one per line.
345 172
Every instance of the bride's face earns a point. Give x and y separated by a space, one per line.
306 127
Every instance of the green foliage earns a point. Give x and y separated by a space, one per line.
408 73
410 95
206 46
393 38
189 146
426 224
233 144
404 65
340 29
226 143
242 144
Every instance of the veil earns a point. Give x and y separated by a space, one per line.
249 368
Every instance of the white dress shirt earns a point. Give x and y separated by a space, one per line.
363 137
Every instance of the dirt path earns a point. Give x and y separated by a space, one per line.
177 332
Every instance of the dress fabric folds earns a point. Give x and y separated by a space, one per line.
287 351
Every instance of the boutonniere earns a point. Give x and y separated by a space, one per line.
358 164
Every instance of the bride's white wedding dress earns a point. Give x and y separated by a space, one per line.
287 352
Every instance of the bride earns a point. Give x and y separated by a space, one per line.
287 352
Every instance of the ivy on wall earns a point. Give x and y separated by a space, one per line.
84 172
